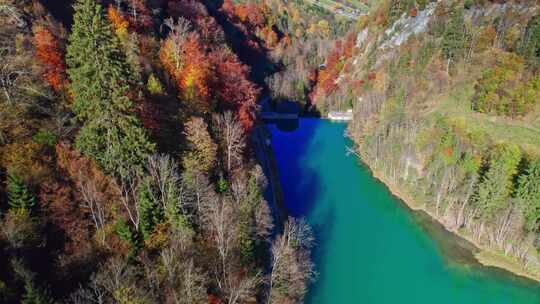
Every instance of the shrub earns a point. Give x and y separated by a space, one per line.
504 89
154 85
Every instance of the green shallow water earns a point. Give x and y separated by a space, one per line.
370 247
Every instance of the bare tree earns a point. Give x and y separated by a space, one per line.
263 220
184 280
291 267
10 10
232 138
220 219
92 294
92 200
195 189
164 174
113 276
221 223
177 35
18 82
10 77
241 287
128 196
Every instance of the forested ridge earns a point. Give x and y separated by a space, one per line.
129 137
127 153
445 97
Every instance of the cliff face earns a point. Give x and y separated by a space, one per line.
445 100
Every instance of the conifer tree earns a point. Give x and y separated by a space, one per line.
96 64
529 45
149 210
126 233
100 84
529 195
36 295
33 292
454 38
19 196
497 184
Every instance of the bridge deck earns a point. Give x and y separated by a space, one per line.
275 115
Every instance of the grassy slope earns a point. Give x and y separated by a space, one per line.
524 131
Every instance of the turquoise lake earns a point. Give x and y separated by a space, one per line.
370 248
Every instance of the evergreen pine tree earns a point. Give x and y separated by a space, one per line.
96 64
35 294
117 144
529 45
497 184
128 235
150 212
100 82
454 36
19 196
529 195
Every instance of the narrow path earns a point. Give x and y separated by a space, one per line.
267 161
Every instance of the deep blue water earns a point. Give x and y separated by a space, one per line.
370 247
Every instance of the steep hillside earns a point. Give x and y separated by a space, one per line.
127 164
446 108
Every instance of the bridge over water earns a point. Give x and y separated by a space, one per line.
276 115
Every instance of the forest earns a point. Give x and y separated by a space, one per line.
127 153
129 168
445 97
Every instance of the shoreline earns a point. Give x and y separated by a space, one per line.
485 256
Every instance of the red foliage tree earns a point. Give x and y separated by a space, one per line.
149 115
233 87
357 84
139 15
189 9
80 169
249 19
414 12
51 56
212 299
335 63
348 46
251 14
59 202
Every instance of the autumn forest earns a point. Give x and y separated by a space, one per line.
133 165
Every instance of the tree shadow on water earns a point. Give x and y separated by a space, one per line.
300 184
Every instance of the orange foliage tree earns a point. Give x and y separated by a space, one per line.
189 66
194 76
119 22
327 77
335 63
51 56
